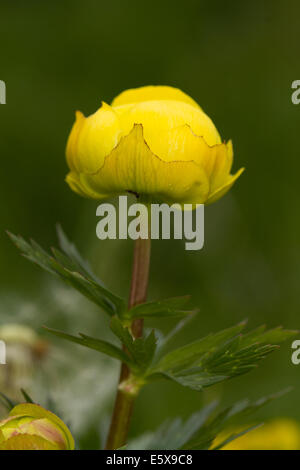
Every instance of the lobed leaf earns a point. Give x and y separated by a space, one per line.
230 416
162 308
71 269
218 357
94 343
73 254
234 436
200 430
141 350
188 354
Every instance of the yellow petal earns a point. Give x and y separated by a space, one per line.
133 167
152 93
75 184
72 144
221 191
92 138
159 117
26 442
182 144
219 165
36 411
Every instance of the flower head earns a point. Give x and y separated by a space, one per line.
154 141
31 427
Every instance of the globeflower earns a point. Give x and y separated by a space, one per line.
153 141
31 427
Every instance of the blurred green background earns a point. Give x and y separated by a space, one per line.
238 60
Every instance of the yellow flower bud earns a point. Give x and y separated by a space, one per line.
31 427
154 141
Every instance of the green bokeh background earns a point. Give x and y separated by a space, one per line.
238 60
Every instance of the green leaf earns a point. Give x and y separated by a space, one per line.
188 354
141 350
196 381
173 434
275 336
144 349
234 436
7 402
231 416
200 430
163 308
73 254
122 333
218 357
94 343
26 396
67 267
165 341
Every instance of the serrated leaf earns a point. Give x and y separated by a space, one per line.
200 430
217 357
275 336
232 415
166 340
141 350
144 350
173 434
71 272
188 354
73 254
122 333
95 344
196 381
163 308
234 436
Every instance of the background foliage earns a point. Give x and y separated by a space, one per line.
238 60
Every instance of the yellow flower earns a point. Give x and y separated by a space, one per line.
31 427
154 141
279 434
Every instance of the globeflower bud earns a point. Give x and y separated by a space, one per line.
31 427
154 141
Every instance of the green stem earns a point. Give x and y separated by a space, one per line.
123 407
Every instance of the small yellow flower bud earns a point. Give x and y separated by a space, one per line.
31 427
154 141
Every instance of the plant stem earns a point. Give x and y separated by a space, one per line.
138 292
